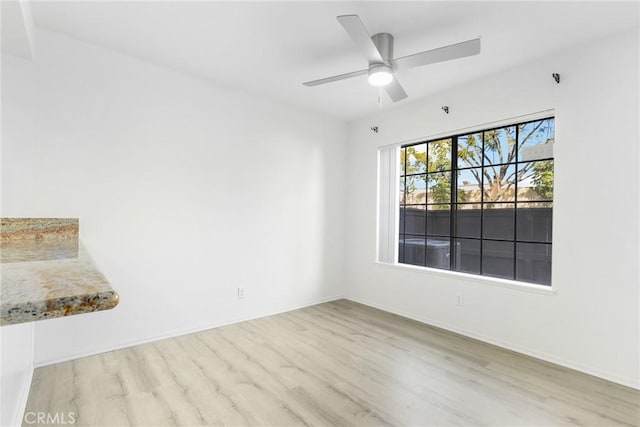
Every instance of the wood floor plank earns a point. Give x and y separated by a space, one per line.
334 364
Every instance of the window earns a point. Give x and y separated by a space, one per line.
480 202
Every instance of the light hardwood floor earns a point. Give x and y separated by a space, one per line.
333 364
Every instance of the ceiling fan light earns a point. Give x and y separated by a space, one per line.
380 75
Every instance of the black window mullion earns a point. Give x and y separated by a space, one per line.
453 199
481 203
404 210
515 208
426 200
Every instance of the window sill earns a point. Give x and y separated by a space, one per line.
482 280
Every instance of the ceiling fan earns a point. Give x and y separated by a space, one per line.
378 49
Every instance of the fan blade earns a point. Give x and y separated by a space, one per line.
360 36
336 78
454 51
395 90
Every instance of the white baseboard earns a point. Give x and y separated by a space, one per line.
177 333
629 382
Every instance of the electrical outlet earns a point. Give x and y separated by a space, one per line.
459 300
240 293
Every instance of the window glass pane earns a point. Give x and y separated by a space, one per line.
438 253
401 194
414 249
500 145
534 222
416 159
497 259
534 263
440 155
403 154
415 189
470 150
401 247
414 219
439 220
535 180
499 183
468 219
498 220
439 184
535 133
469 185
467 256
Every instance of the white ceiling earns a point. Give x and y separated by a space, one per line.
16 26
270 48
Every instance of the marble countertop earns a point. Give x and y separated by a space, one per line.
47 273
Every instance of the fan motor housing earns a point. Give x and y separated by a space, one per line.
384 43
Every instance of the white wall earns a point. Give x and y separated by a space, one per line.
185 191
16 355
16 341
591 323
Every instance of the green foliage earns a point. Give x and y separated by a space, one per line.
500 145
436 168
440 187
439 161
412 162
543 179
470 152
440 155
